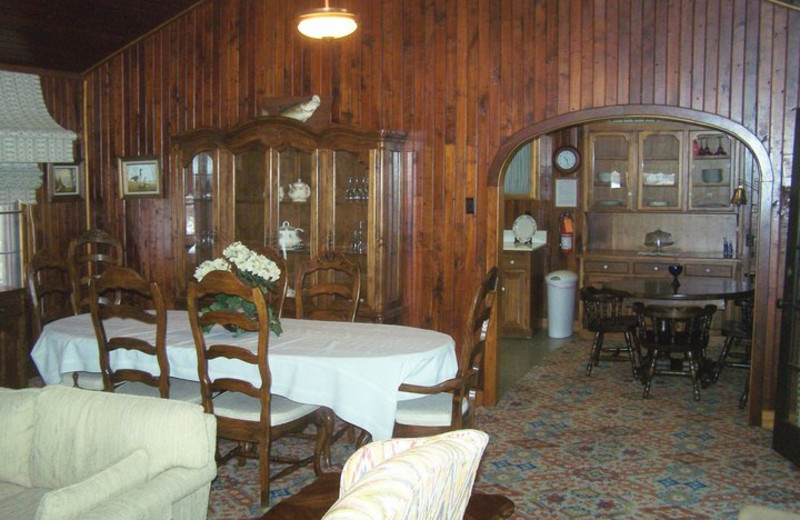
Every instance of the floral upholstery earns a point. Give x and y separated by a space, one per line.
423 478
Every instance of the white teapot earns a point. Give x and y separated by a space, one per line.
289 236
299 191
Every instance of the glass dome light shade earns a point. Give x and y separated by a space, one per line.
327 23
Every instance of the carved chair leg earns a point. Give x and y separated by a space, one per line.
635 363
745 393
594 354
648 376
723 356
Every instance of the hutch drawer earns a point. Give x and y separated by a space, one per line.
651 268
712 270
605 266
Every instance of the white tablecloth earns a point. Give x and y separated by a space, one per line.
353 368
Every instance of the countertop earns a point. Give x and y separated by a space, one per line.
539 241
647 254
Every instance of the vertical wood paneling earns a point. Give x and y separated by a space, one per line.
459 77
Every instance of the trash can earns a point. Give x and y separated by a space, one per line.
560 303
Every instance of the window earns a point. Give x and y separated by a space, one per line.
10 245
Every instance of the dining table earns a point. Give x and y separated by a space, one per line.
688 288
355 369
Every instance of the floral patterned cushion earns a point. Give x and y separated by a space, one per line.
424 479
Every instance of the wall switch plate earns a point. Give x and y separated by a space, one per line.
470 206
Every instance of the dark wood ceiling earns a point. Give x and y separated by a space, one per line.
74 35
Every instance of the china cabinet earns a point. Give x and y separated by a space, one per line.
276 182
660 168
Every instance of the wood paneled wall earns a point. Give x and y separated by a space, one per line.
459 76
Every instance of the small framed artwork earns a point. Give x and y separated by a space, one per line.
65 181
566 193
140 177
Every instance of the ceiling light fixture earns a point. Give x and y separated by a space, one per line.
327 23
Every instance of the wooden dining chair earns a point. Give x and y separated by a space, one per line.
87 257
246 413
666 330
140 302
328 287
49 288
448 405
737 347
277 295
604 315
51 295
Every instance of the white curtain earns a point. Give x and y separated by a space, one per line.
10 245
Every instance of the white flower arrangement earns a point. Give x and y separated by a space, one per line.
252 268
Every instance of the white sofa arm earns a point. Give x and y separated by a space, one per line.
72 501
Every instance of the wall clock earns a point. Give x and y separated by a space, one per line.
566 159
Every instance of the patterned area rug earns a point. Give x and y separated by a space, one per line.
567 446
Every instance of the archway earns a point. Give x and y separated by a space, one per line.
765 261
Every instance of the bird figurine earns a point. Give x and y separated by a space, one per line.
302 111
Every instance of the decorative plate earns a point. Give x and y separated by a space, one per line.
524 228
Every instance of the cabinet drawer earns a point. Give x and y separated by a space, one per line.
715 271
512 261
651 268
605 266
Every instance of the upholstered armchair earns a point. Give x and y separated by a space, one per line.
423 478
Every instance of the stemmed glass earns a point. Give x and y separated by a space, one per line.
720 149
675 270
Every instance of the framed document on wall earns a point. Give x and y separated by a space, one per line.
566 193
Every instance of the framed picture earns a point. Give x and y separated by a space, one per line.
566 193
65 181
139 177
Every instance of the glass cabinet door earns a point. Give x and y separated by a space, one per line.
250 196
295 229
199 235
609 186
710 167
660 173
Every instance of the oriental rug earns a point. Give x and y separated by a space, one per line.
567 446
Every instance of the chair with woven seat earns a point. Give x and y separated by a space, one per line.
247 413
448 405
88 256
140 301
277 295
664 331
737 333
51 294
603 312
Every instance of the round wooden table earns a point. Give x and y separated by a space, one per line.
689 288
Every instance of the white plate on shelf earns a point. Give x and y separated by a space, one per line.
658 203
524 228
608 203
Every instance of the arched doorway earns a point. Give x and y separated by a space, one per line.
765 250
